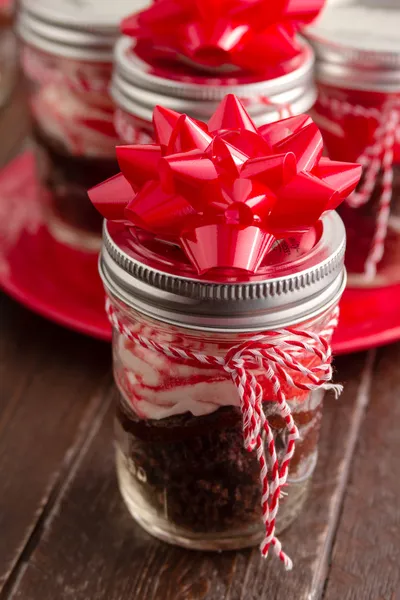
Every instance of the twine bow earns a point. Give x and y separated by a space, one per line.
376 157
282 356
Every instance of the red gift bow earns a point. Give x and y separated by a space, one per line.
252 35
225 192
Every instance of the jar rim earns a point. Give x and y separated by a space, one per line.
136 88
60 29
355 58
302 289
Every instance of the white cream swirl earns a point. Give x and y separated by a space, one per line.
156 387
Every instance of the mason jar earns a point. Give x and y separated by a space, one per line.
358 113
66 54
187 465
138 86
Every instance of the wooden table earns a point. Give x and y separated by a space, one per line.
66 535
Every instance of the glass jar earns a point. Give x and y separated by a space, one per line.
8 70
66 55
358 113
184 472
74 139
139 84
182 468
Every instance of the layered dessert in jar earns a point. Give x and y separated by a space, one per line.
358 111
179 443
75 140
66 55
222 261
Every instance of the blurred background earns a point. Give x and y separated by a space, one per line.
78 78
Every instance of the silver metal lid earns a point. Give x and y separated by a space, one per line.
78 29
137 90
357 44
287 293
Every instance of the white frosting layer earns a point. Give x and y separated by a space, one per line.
157 387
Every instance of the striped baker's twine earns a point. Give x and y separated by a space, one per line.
281 359
376 157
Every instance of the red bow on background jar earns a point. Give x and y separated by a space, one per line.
358 112
223 265
187 55
251 37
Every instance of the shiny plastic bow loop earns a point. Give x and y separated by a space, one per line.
252 35
225 192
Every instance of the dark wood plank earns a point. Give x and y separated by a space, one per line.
92 549
366 554
52 388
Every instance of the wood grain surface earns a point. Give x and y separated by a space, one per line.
90 541
52 385
366 558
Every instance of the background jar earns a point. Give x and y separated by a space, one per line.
182 468
138 86
357 111
66 54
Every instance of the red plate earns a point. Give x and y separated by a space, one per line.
62 283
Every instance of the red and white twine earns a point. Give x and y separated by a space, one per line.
281 355
376 157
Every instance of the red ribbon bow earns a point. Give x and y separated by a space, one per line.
225 192
252 35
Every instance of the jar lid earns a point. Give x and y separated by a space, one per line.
284 291
138 87
84 30
357 44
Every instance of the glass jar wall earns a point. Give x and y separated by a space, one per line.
358 113
354 123
72 119
66 54
182 467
